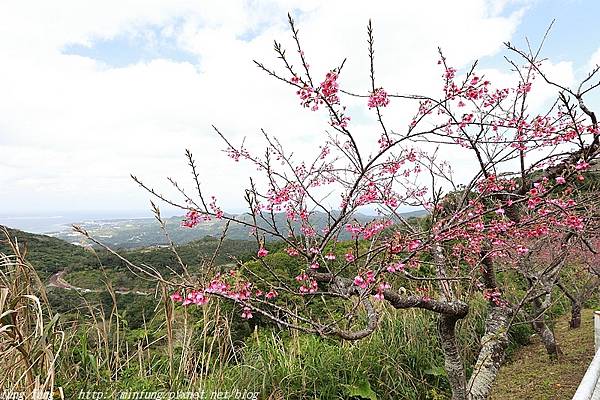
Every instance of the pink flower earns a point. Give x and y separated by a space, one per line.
195 297
355 230
292 252
216 210
413 245
271 294
247 313
330 256
359 281
363 282
524 87
349 256
314 265
560 180
378 98
262 252
383 286
395 267
199 298
330 87
522 250
582 165
176 297
302 277
192 218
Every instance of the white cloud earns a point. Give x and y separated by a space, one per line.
594 60
73 128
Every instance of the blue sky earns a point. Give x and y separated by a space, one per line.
94 91
126 49
574 35
571 37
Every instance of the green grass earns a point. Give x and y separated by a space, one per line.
530 375
401 360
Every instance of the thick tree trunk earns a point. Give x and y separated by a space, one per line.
547 337
453 363
576 302
542 329
452 359
575 315
493 349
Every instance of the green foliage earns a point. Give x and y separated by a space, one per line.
362 390
400 360
49 255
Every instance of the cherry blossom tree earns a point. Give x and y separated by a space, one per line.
583 279
519 189
561 254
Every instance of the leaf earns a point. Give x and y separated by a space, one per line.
363 390
436 371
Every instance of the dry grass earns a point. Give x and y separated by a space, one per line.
29 342
42 353
530 375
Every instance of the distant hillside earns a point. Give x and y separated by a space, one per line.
136 233
50 255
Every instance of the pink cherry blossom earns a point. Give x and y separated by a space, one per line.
378 98
292 252
176 297
247 313
262 252
582 165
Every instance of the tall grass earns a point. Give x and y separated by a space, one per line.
30 342
401 360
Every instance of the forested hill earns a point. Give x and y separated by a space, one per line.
47 254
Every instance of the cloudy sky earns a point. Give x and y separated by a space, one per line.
91 91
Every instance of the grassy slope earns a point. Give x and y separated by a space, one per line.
529 375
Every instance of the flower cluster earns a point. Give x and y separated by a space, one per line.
230 286
495 297
327 92
379 98
308 285
363 280
193 218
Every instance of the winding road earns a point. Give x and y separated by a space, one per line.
57 280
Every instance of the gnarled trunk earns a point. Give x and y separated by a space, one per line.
547 337
493 349
576 301
453 363
543 330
